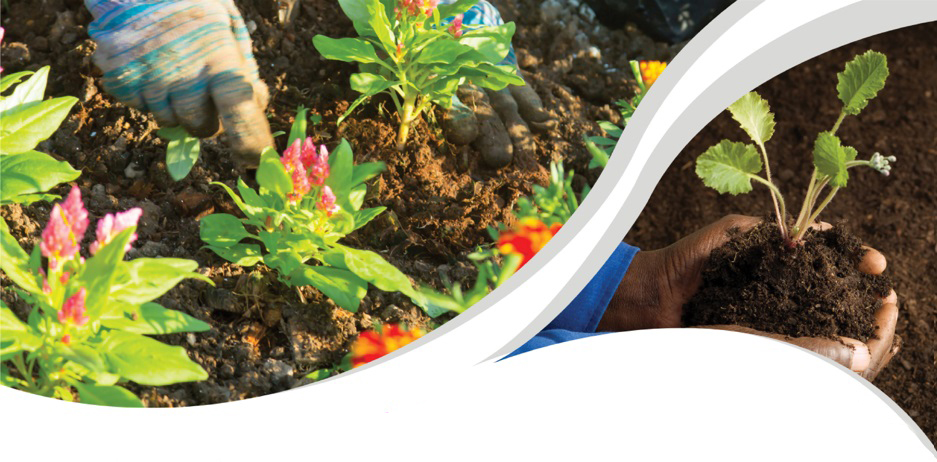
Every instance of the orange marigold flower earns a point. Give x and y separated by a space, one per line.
527 238
373 344
650 71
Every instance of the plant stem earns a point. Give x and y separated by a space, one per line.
815 214
782 217
842 115
408 115
776 193
803 208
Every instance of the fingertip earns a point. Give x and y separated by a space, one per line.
891 298
873 261
887 316
861 355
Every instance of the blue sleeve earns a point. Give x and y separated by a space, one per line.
582 316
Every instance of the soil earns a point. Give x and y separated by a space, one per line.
439 197
812 290
896 214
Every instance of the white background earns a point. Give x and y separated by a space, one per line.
684 394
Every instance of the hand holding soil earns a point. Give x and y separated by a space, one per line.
659 283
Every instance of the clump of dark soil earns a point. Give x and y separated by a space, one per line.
811 290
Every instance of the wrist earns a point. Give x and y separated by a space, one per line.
637 301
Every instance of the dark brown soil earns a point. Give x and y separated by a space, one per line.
811 290
439 197
896 214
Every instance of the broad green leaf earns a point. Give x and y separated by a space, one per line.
272 175
149 362
145 279
363 217
222 230
357 11
753 114
30 91
298 129
9 80
366 171
830 158
355 198
861 81
32 172
494 42
240 254
727 167
181 153
341 165
380 24
373 268
15 331
458 7
438 304
14 261
85 356
249 209
106 395
154 319
284 261
370 84
250 196
27 199
99 271
342 286
442 51
346 49
25 126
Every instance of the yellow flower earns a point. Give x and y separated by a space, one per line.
651 70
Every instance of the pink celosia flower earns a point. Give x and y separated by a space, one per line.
455 28
319 168
292 161
429 6
73 310
111 225
65 229
327 201
76 213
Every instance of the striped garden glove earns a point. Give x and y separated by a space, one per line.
188 62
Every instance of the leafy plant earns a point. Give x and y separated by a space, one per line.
538 219
406 51
182 151
645 74
25 121
730 167
307 201
88 327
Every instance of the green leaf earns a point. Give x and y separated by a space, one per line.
363 217
298 129
32 172
9 80
248 209
240 254
30 91
342 286
380 24
442 51
373 268
145 279
861 81
25 126
106 395
357 11
727 167
154 319
458 7
830 158
366 171
149 362
12 330
14 261
181 153
222 230
753 114
493 42
272 175
346 49
99 271
341 167
613 130
370 84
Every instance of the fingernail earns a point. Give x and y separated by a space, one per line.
861 357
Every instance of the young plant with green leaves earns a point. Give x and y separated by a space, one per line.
730 167
87 330
25 121
307 201
405 50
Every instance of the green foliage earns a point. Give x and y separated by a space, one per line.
601 147
52 356
415 59
728 167
182 151
861 81
300 239
25 121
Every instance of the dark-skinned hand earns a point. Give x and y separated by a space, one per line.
660 282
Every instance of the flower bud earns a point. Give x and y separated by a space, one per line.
73 310
455 28
327 202
112 225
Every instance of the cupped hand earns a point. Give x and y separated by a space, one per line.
659 283
188 62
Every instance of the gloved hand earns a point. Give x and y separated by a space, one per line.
186 61
497 121
659 282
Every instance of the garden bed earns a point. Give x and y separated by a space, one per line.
896 214
440 198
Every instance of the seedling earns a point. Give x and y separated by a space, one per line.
406 50
308 200
89 320
730 167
